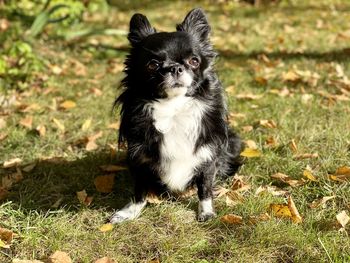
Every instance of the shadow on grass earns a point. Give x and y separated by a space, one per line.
53 184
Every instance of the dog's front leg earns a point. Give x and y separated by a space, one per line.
205 181
133 209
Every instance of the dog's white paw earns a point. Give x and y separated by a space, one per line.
129 212
205 210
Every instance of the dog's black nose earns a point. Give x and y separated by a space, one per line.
177 69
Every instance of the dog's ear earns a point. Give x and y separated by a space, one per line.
140 28
195 23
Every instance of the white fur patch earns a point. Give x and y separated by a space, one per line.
130 211
206 206
179 119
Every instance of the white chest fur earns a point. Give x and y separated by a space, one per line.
179 119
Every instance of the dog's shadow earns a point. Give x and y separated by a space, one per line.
54 183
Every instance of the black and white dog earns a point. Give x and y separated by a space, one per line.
173 114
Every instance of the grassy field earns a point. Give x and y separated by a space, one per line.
287 64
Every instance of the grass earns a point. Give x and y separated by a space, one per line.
304 35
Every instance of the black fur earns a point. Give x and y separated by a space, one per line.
142 86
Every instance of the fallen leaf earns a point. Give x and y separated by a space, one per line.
280 210
220 191
8 180
56 69
106 227
291 76
112 168
343 218
3 244
321 202
84 198
251 144
259 218
293 146
105 260
3 136
16 260
41 129
286 179
305 156
29 167
86 125
3 193
91 146
27 122
68 104
114 125
261 80
3 123
104 183
6 236
233 198
97 92
153 199
273 190
247 128
250 153
308 174
296 218
239 184
231 219
60 257
188 193
271 142
342 174
268 124
59 124
248 96
11 163
95 136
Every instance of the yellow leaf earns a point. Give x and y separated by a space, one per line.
59 125
342 174
68 104
308 174
231 219
86 125
106 227
280 210
104 183
250 153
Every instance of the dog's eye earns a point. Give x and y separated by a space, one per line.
153 65
194 62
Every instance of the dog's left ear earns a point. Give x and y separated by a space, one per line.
195 23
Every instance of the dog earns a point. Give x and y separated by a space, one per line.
174 115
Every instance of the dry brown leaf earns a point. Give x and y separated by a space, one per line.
293 146
29 167
273 190
152 198
188 193
8 180
261 80
41 129
251 144
286 179
305 156
233 198
220 191
3 193
3 136
259 218
84 198
6 236
114 125
248 128
248 96
12 163
91 146
343 218
105 260
60 257
232 219
16 260
250 153
3 123
106 227
239 184
230 89
27 122
56 69
104 183
268 124
321 201
97 92
95 136
290 76
271 142
112 168
296 218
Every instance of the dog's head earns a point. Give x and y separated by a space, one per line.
169 64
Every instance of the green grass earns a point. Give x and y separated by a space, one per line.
306 35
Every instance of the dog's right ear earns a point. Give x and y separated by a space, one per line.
140 28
